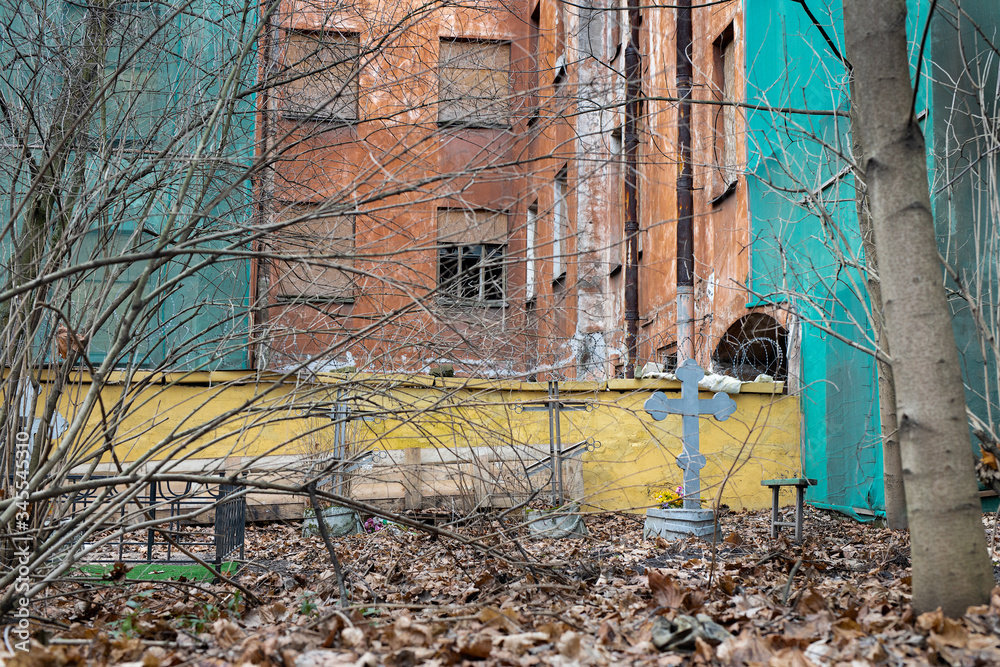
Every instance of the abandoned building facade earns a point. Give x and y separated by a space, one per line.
466 168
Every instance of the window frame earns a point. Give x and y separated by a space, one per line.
451 290
531 252
725 168
560 223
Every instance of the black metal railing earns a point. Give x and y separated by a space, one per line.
180 509
230 522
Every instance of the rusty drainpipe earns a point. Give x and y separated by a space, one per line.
685 186
633 92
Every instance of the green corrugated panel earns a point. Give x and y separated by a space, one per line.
966 162
163 95
795 250
802 245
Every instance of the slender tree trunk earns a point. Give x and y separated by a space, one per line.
892 464
951 567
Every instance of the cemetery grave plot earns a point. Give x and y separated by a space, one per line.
190 522
839 597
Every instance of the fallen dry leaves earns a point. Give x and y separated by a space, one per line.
841 598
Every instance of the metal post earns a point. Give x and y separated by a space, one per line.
221 523
121 538
685 187
552 441
775 490
557 462
800 492
633 106
149 531
338 448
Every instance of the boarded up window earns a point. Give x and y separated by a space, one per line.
726 158
474 83
463 226
317 255
322 76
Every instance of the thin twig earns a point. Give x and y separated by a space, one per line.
788 584
768 557
329 545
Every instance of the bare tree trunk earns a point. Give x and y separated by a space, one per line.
951 567
892 464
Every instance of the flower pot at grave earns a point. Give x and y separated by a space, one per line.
339 521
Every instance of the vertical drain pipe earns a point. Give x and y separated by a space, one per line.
685 186
633 91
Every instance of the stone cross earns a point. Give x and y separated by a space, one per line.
689 406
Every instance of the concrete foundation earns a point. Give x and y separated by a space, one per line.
339 521
543 525
676 524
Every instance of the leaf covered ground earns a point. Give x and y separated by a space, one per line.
840 598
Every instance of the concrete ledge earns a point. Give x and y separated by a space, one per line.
677 524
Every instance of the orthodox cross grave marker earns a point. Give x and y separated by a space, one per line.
689 406
555 407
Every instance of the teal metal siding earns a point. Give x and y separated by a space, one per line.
163 101
804 245
803 256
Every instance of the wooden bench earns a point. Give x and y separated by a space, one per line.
800 484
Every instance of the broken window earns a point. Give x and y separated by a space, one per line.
472 274
474 83
754 345
316 256
726 149
322 77
668 357
471 257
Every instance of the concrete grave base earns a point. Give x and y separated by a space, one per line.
675 524
339 521
561 526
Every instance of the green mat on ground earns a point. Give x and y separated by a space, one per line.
160 571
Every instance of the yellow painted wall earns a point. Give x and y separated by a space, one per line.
636 459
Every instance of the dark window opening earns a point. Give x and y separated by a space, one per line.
668 357
472 274
560 78
754 345
534 32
